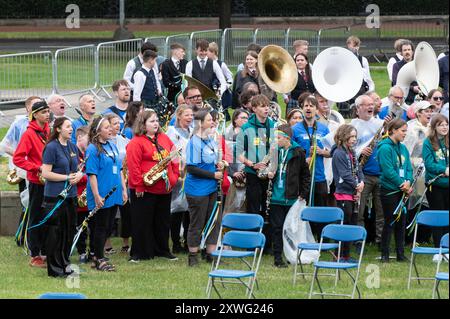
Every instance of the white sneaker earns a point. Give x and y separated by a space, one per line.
437 258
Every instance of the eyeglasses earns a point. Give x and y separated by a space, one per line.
438 98
398 97
194 97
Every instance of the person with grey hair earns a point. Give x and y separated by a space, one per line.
376 101
87 108
396 106
58 107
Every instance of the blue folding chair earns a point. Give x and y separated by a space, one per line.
324 215
242 240
440 276
431 218
340 233
238 221
61 295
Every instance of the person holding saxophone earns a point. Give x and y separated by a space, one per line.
61 171
152 174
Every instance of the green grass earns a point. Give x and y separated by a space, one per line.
160 278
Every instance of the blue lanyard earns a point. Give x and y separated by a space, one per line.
113 157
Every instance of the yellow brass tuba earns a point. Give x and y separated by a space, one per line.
82 200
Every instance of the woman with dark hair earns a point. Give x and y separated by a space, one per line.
348 177
248 74
395 180
436 99
104 169
294 116
304 82
133 110
436 158
203 172
150 204
239 118
59 168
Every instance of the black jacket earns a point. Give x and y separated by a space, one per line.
171 77
298 178
302 87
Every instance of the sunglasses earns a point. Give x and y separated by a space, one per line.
438 98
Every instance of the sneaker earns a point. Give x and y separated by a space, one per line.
384 259
192 260
44 258
177 249
169 256
279 263
37 262
133 260
110 251
402 258
125 249
208 258
83 258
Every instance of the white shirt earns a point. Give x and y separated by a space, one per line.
391 63
366 74
139 82
217 71
131 66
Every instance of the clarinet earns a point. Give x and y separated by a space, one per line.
268 198
66 190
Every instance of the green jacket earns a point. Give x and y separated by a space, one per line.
252 140
436 162
388 156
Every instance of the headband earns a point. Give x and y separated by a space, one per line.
98 125
278 132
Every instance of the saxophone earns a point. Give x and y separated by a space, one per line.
12 178
267 159
378 135
159 170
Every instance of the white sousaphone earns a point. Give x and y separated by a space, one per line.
337 74
424 69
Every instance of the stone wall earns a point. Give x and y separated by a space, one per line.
9 212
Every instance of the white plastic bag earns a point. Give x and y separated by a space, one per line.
24 197
179 202
296 231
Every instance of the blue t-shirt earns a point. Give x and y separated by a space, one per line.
64 160
76 124
202 154
119 112
106 166
302 138
128 132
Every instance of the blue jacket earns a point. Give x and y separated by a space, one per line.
342 171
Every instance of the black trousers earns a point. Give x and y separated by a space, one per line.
125 220
256 196
101 226
350 218
60 230
200 210
150 224
81 244
438 199
36 236
320 199
389 203
277 215
176 220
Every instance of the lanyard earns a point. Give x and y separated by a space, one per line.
399 155
42 136
113 156
267 127
311 137
283 164
155 142
208 145
67 156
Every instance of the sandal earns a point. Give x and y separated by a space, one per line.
110 251
125 249
103 265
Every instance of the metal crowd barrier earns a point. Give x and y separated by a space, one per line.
112 58
160 43
74 70
302 34
184 39
209 35
25 74
234 45
271 36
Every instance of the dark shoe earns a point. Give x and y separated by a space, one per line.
110 251
133 260
402 258
279 263
177 249
125 249
203 253
208 258
169 256
83 258
384 259
192 260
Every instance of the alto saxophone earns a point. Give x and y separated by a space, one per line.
12 178
159 170
267 159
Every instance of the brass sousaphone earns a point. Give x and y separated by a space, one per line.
206 92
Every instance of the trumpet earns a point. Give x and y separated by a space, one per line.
12 178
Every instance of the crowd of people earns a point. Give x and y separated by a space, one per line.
167 178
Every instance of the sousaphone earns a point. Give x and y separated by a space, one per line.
206 92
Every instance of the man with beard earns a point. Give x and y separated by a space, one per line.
367 126
87 108
407 50
57 106
396 105
121 90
